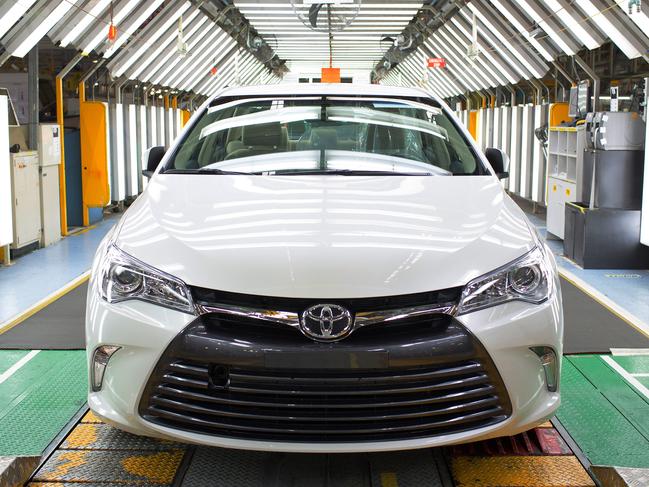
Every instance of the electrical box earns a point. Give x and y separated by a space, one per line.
26 199
617 131
49 144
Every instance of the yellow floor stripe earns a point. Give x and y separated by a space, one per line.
16 320
90 417
520 471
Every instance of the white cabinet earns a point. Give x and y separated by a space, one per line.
50 211
562 176
26 198
50 158
560 192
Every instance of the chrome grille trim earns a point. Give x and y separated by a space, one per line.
361 319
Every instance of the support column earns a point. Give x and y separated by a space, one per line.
32 96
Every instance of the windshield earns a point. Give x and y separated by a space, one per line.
328 134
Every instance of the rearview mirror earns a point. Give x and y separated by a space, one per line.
499 162
151 159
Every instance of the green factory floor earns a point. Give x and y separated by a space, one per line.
40 391
606 415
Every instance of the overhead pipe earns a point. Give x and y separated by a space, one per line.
426 22
512 92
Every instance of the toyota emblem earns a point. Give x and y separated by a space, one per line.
326 322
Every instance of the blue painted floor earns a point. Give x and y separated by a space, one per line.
627 288
38 274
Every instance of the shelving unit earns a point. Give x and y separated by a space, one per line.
562 176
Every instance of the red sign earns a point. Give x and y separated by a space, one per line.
436 62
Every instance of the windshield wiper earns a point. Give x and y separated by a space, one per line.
341 172
204 170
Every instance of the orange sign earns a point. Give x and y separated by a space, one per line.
330 75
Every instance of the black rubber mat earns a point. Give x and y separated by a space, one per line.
591 328
218 467
58 326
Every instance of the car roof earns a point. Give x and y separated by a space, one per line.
325 89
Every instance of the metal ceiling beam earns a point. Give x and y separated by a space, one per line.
232 21
431 17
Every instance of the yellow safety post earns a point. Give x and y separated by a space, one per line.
62 188
85 212
184 116
166 102
473 124
61 122
174 102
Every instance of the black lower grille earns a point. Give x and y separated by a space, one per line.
324 405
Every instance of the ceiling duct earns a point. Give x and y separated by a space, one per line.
431 17
232 21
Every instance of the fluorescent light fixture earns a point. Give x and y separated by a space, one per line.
199 46
514 154
142 143
478 75
202 64
117 18
567 17
120 164
161 46
160 125
536 158
84 22
169 126
639 17
512 19
152 5
145 46
153 126
39 30
464 46
13 14
554 35
204 60
520 58
462 70
134 174
602 21
526 149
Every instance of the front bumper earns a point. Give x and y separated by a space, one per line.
145 332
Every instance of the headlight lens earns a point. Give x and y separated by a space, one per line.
526 279
123 277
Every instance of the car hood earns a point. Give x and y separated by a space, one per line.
324 236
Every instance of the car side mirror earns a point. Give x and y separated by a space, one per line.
499 162
151 159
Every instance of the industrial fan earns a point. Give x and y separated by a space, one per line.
326 15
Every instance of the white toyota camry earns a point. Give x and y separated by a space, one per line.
324 268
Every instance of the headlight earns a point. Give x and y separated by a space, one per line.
123 277
526 279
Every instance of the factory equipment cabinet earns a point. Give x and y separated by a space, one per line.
562 176
26 199
49 142
602 230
